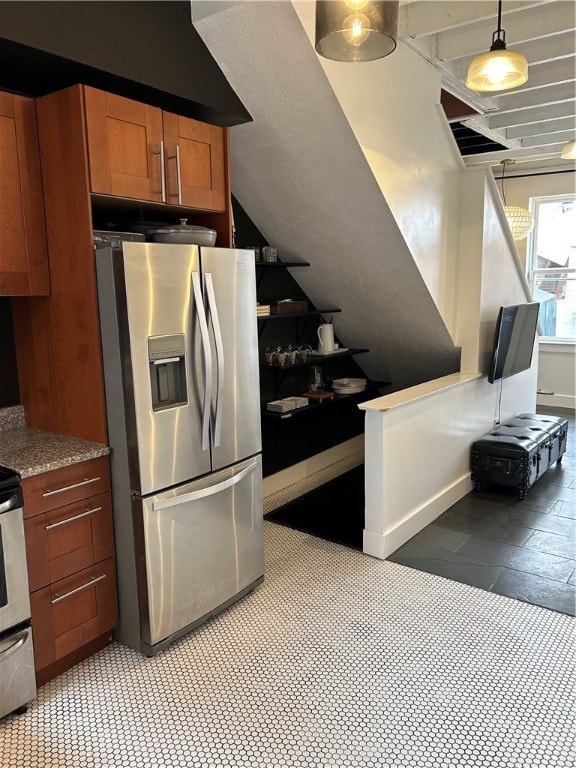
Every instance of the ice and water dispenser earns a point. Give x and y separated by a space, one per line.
167 364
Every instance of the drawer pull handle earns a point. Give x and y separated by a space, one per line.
86 481
93 580
71 519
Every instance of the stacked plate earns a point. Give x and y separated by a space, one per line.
348 386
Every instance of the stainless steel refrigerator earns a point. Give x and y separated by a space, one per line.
180 353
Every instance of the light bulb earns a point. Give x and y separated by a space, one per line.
356 29
356 5
497 68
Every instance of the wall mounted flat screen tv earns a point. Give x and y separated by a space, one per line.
513 340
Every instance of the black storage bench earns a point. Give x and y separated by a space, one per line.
518 452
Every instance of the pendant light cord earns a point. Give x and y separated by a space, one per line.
499 37
503 172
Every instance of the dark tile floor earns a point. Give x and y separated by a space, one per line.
522 549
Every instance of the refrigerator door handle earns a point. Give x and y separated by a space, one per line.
197 289
213 309
202 493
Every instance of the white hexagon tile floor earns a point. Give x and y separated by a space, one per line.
338 660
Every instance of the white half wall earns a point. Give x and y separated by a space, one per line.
417 450
418 441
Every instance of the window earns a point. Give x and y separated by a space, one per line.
551 264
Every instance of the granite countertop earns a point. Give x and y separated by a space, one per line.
30 451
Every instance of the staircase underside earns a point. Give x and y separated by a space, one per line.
300 175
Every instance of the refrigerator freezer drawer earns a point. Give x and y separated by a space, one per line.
203 545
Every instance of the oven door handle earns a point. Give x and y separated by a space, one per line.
10 645
9 504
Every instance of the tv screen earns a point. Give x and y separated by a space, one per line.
513 340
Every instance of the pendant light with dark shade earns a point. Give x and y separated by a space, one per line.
500 69
520 220
356 30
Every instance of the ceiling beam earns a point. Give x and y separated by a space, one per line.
536 97
427 17
536 114
532 24
528 155
547 139
542 127
551 73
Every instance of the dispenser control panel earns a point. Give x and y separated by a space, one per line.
162 347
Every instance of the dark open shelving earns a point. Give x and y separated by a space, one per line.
371 391
282 264
315 360
310 313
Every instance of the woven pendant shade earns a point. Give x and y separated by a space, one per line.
520 220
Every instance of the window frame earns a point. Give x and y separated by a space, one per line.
531 256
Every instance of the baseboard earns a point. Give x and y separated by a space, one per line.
556 401
382 545
305 469
308 483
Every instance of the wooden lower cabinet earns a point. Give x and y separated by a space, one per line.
72 612
71 572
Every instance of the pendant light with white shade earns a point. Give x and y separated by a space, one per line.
520 220
500 69
569 150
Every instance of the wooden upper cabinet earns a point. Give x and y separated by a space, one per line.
124 146
141 152
23 253
195 163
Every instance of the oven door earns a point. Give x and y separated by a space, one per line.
14 595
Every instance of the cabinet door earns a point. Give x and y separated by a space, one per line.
124 146
195 163
66 540
58 487
23 252
73 612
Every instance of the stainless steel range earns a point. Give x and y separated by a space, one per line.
17 676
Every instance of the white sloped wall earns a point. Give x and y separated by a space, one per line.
300 174
393 106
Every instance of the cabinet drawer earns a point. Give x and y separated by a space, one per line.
66 540
73 611
64 486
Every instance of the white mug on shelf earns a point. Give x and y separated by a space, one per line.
326 338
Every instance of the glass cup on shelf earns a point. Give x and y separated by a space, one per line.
269 253
304 352
282 357
291 354
256 249
270 355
